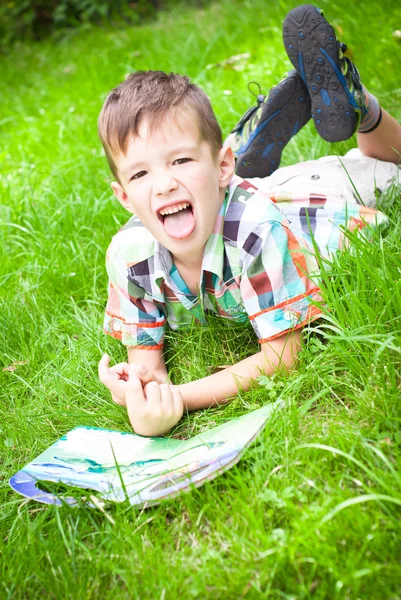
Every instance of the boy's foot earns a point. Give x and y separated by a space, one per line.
332 80
262 133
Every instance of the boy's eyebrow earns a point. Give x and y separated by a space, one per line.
178 150
183 149
131 167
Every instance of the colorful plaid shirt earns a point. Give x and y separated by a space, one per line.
258 265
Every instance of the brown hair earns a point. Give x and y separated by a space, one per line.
153 95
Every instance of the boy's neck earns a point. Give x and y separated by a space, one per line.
189 263
190 271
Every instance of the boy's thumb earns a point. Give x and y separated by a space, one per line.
144 374
134 391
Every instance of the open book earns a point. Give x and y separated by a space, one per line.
143 470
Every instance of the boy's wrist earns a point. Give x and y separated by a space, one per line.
196 394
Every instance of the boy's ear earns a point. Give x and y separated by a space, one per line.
120 194
227 165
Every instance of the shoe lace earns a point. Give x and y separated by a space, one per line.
247 116
347 66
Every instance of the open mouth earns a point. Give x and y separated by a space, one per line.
178 220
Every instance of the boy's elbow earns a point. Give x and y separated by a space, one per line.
292 348
285 350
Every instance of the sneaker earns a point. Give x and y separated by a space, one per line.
332 80
262 133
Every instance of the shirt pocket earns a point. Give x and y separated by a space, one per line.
229 301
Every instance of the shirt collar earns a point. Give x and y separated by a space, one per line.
163 262
213 255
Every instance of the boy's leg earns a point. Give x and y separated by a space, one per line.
264 130
340 103
384 141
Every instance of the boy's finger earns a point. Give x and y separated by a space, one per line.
144 374
134 396
166 397
120 368
103 368
177 400
134 399
152 393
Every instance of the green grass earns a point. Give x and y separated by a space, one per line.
313 508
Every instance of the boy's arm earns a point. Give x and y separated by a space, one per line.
148 365
153 360
154 406
220 387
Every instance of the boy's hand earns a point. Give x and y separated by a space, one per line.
153 409
115 378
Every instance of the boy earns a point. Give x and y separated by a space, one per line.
202 238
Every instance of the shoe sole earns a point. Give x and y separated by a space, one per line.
286 111
311 44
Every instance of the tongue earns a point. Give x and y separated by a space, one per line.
179 225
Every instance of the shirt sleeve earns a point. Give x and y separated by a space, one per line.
277 282
130 316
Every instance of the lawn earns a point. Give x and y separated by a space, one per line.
313 508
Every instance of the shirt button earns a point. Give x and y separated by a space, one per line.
292 315
315 177
116 326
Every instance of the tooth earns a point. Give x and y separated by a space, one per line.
174 209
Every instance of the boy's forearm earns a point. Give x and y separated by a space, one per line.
152 359
220 387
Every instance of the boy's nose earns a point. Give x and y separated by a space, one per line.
164 184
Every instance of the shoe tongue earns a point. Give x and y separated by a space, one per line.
180 224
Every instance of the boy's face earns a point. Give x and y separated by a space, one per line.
173 183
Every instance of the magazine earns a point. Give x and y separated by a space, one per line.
143 470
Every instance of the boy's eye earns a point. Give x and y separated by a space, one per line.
181 161
138 175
